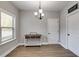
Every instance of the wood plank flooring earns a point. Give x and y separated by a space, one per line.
43 51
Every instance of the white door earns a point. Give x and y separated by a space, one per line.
73 32
53 31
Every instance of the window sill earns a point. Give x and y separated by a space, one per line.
2 43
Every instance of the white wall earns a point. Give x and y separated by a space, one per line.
63 24
29 23
10 8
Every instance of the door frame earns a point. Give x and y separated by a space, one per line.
67 25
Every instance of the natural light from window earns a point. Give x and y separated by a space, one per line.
6 26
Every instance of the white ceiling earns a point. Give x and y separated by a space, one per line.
46 5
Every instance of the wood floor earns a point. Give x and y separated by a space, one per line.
43 51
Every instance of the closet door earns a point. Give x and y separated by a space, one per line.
53 31
73 31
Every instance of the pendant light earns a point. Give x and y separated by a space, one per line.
39 14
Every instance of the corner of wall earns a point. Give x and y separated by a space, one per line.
7 52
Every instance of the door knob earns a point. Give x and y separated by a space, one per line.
68 34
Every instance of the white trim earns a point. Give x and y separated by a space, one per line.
44 43
63 45
7 12
13 28
7 52
11 49
21 44
54 43
75 52
6 41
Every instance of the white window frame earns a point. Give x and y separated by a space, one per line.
13 27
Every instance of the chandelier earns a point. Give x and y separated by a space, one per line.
39 14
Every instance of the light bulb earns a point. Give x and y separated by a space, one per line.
40 10
35 13
42 14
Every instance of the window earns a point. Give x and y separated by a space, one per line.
7 26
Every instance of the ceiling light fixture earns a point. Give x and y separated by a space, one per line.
40 13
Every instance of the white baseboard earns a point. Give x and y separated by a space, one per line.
7 52
53 43
63 45
44 43
76 53
21 44
69 49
